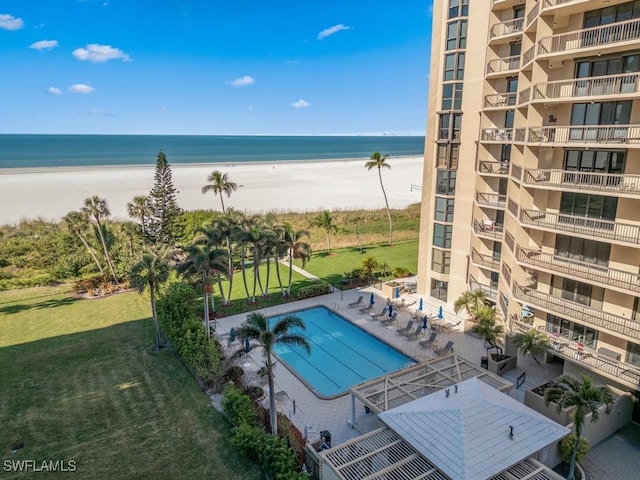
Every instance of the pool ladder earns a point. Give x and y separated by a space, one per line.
335 306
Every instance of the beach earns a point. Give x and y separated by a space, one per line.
50 193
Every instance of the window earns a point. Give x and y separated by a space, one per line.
617 13
441 260
458 8
453 66
448 155
446 182
456 35
450 126
601 113
633 354
571 290
508 118
593 161
444 209
452 96
572 331
442 235
505 152
590 206
439 289
583 250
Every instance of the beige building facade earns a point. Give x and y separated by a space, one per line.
531 187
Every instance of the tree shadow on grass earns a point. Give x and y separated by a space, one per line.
51 303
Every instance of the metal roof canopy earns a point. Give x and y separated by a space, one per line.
398 388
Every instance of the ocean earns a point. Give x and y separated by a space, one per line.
25 151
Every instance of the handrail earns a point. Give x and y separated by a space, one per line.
533 13
506 28
491 292
503 64
601 182
528 56
488 228
591 37
491 199
588 87
627 134
500 99
516 172
497 168
484 260
496 135
524 96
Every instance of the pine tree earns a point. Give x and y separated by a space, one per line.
164 207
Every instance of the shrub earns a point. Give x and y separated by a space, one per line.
314 290
238 407
401 272
355 273
566 448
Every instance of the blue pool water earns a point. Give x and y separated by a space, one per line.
342 354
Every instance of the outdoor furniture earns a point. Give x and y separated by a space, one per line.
389 320
407 328
446 349
357 303
367 309
429 341
378 316
413 335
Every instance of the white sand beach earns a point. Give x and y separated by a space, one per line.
284 186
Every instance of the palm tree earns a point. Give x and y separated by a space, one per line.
290 244
140 210
532 342
585 397
258 331
98 209
212 238
325 221
225 226
487 326
471 302
77 223
220 184
151 271
376 160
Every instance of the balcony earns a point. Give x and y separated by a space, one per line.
568 91
490 291
533 13
626 185
500 100
493 168
587 135
492 200
576 353
524 96
527 57
487 261
505 65
605 276
516 172
602 39
498 135
583 314
505 29
488 228
614 232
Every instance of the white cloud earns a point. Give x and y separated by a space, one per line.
44 44
100 53
331 30
300 104
81 88
242 81
100 113
9 22
54 91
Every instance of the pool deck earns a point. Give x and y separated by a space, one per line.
313 415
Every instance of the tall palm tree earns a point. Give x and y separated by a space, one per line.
225 226
470 301
532 342
259 332
487 327
98 209
77 223
212 238
566 392
291 245
151 271
139 209
220 184
325 221
376 160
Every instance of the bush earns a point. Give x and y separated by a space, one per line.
401 272
314 290
566 448
355 273
238 407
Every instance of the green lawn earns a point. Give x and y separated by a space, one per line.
78 381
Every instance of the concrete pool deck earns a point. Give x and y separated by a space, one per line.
314 415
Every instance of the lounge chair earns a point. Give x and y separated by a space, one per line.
413 335
357 303
446 349
403 330
428 343
366 309
389 320
378 316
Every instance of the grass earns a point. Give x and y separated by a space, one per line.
80 382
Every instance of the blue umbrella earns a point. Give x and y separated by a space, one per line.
390 310
247 346
424 323
397 292
420 304
440 316
372 299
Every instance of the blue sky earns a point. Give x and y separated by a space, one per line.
212 67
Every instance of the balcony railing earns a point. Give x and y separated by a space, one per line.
512 207
576 311
509 240
520 135
491 199
503 64
524 96
516 172
600 182
596 273
490 291
506 273
612 134
527 56
485 260
594 227
496 135
496 100
506 28
612 33
564 347
533 13
588 87
495 168
488 228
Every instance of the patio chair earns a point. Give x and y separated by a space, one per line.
407 328
389 320
446 349
413 335
428 343
366 309
357 303
378 316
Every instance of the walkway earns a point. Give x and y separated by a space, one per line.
616 457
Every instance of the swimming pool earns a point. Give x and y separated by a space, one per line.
342 354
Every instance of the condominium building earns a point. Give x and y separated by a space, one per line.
531 188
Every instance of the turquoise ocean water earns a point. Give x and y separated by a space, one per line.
24 151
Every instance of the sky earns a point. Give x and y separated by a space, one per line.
212 67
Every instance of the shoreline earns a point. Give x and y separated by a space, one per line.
50 193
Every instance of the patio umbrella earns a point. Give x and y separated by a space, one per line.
420 304
390 310
372 300
440 315
397 292
247 346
